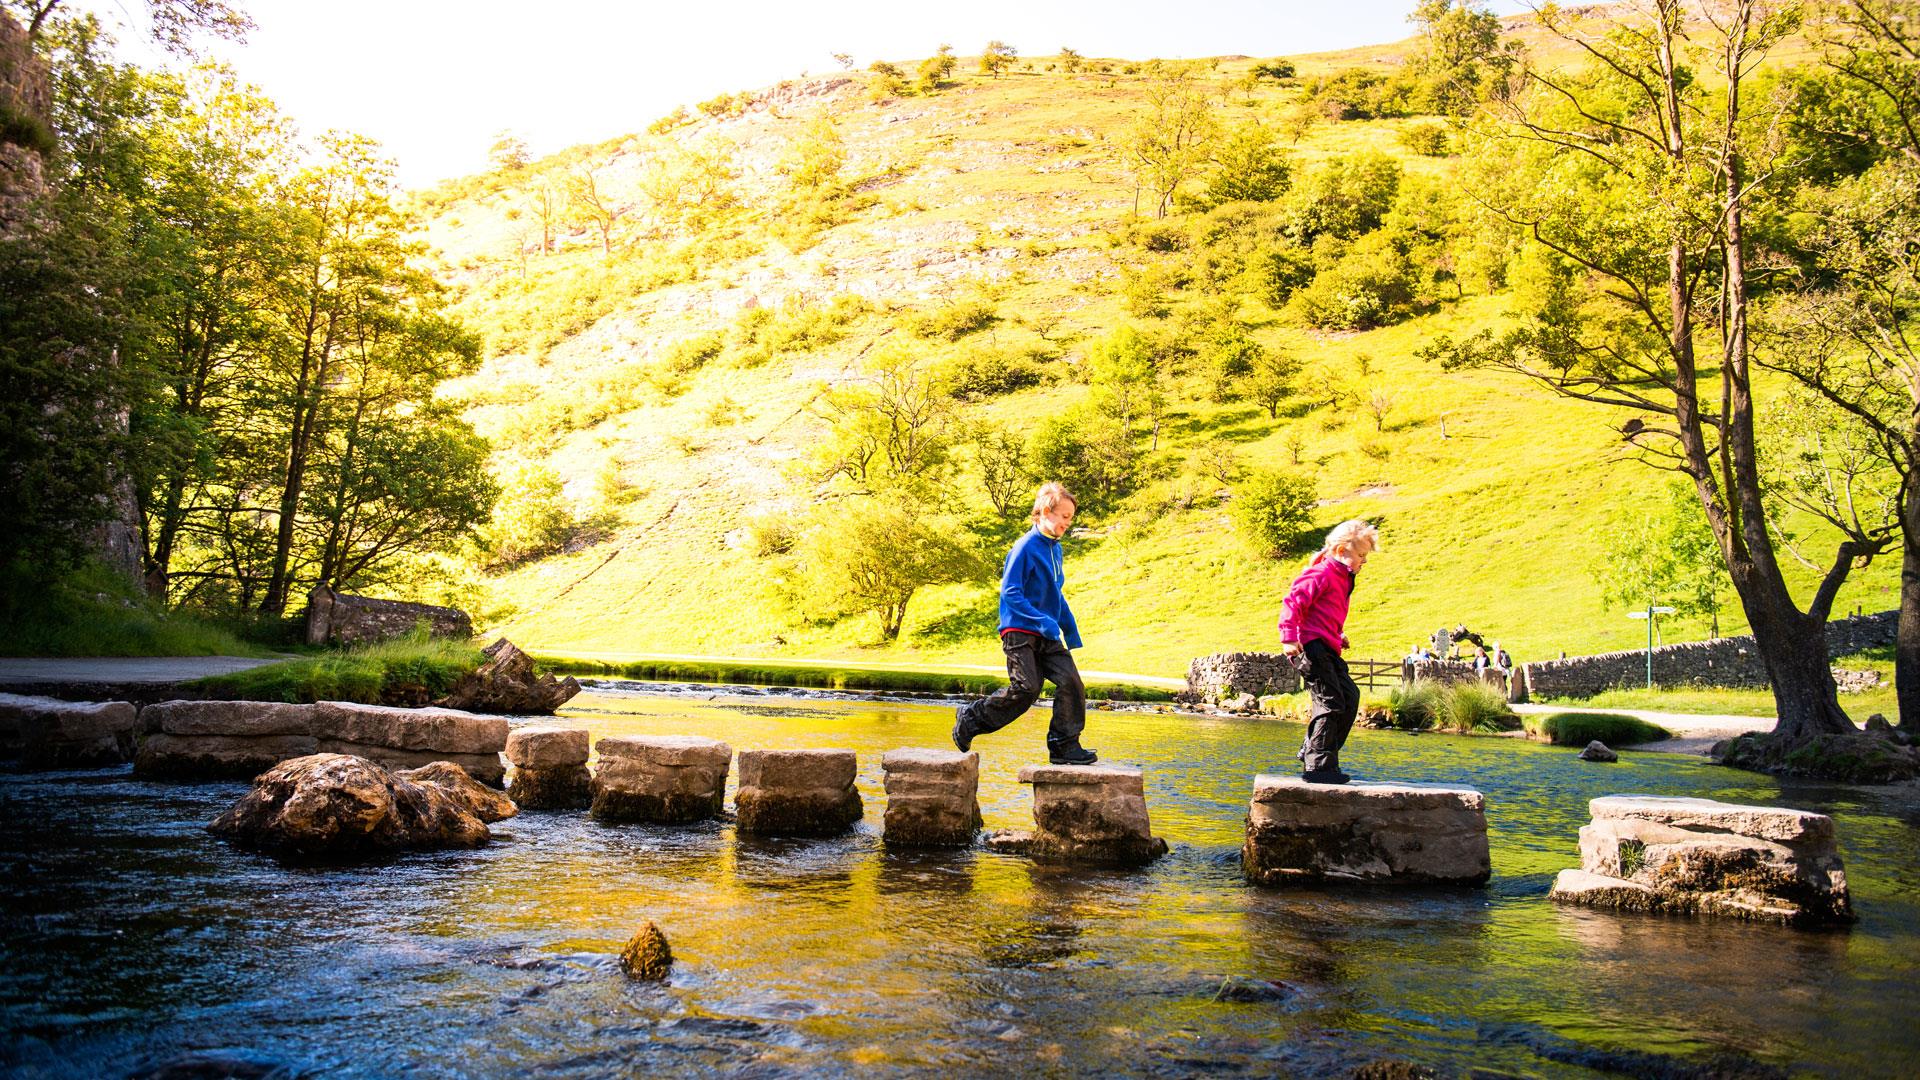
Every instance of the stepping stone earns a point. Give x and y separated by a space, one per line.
211 740
663 779
1092 814
409 738
932 797
797 792
1698 856
550 767
1396 834
48 733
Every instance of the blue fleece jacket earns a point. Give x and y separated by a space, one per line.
1030 590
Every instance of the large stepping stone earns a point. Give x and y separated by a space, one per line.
932 797
1091 814
797 793
210 740
48 733
1396 834
663 779
549 767
1698 856
409 738
334 806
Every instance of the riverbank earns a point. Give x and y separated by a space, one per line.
941 680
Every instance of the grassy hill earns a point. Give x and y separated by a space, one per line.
669 382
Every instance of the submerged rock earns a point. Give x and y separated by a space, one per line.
647 956
1399 834
335 806
1642 853
1598 751
1856 757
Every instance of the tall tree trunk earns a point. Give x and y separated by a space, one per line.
1906 655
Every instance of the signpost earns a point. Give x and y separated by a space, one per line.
1648 615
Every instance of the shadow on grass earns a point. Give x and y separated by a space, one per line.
978 622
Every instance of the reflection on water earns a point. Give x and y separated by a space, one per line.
133 942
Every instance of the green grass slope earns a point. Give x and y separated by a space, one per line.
1494 497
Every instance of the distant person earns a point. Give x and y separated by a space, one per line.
1313 630
1500 658
1480 660
1036 632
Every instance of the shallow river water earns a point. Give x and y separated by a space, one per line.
132 943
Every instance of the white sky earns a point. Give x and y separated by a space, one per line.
434 80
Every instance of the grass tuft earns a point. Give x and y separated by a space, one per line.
1581 728
409 670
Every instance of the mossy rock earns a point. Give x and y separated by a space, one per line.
647 956
1847 758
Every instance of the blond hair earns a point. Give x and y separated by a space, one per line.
1051 494
1349 536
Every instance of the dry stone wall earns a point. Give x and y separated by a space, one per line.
1733 661
1225 676
336 618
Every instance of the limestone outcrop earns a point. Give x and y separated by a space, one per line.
335 806
797 792
549 768
506 683
932 797
1698 856
410 738
47 733
664 779
1092 814
222 740
1397 834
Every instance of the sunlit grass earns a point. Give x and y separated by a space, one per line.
370 674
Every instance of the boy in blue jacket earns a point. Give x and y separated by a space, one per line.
1036 632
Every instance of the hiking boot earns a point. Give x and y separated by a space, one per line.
1325 776
962 731
1071 755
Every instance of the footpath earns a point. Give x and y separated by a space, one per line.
139 679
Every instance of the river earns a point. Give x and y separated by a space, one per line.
136 944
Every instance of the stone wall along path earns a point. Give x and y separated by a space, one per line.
549 767
1091 814
663 779
932 797
47 733
1698 856
410 738
222 740
1395 834
797 792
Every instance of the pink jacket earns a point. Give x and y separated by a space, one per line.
1316 605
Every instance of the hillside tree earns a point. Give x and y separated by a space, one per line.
1172 135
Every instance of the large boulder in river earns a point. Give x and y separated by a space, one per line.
507 684
1390 834
1698 856
469 794
336 806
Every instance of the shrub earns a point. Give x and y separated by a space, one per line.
1417 708
989 373
1476 707
531 518
688 355
955 321
1096 458
1371 286
1273 509
1427 140
1581 728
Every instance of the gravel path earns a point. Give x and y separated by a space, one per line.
119 670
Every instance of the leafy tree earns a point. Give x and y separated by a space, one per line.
1277 70
1172 135
1461 51
1124 372
588 196
814 160
1426 139
508 152
531 517
873 555
1271 381
1372 285
1005 475
1248 166
1653 208
1272 510
997 55
1090 453
1665 558
173 24
935 70
1071 61
889 431
1343 197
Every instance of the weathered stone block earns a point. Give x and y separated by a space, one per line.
486 768
445 731
563 787
932 797
217 757
797 792
547 747
506 683
1644 853
1400 834
1093 814
47 733
235 719
666 779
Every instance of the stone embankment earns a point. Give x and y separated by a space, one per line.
1224 678
337 618
1393 834
1698 856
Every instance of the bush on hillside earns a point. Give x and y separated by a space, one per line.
978 374
956 320
690 354
1426 139
1343 197
1581 728
1374 284
531 519
1273 510
1093 455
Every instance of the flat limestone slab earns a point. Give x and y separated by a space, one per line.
1089 814
797 792
1115 776
673 750
238 719
217 757
547 746
1394 834
50 733
446 731
1759 822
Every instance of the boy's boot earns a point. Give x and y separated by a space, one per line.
962 729
1070 753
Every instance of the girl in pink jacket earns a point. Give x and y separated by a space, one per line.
1313 623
